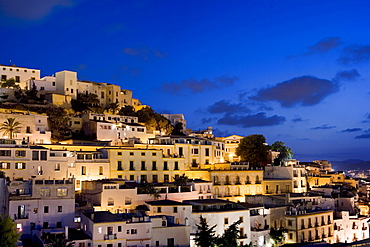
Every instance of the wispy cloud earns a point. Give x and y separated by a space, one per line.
350 130
347 75
323 127
355 54
198 86
363 136
324 45
259 119
144 53
32 10
304 90
297 119
225 106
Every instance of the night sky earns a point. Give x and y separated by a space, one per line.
294 71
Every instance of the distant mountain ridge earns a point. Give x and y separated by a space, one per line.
351 164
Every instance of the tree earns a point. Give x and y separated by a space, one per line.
9 127
253 149
61 242
86 103
205 235
178 129
154 121
181 180
146 188
286 153
127 110
9 234
113 107
230 236
59 123
278 235
10 83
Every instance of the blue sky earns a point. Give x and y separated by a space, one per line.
294 71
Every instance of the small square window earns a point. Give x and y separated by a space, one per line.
226 221
119 153
143 154
60 209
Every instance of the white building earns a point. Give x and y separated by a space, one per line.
222 214
42 204
19 74
348 229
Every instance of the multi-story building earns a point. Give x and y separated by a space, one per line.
288 177
231 143
308 225
221 214
39 204
107 229
198 152
175 119
34 128
19 74
348 229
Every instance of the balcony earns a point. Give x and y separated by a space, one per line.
364 228
316 224
110 236
20 216
258 182
303 227
243 236
317 237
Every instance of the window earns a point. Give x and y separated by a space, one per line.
155 178
175 209
45 192
154 165
102 95
57 167
3 77
165 165
53 83
226 221
176 165
119 165
83 170
17 79
100 170
100 230
241 219
166 178
132 177
5 165
131 153
119 153
154 154
20 153
143 154
60 209
43 155
35 210
195 151
119 228
143 168
159 209
290 235
5 153
207 152
132 168
46 209
133 231
289 223
62 192
20 166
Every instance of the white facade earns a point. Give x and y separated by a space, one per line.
41 204
19 74
348 229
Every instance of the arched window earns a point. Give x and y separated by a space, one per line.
247 181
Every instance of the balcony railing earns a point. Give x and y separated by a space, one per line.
110 236
20 216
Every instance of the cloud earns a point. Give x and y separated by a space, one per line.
355 54
31 10
132 72
323 127
347 75
350 130
324 45
304 90
144 53
259 119
198 86
297 119
367 118
363 136
207 120
218 132
225 106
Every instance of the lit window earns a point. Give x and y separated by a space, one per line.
62 192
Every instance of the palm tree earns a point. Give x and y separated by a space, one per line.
10 127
